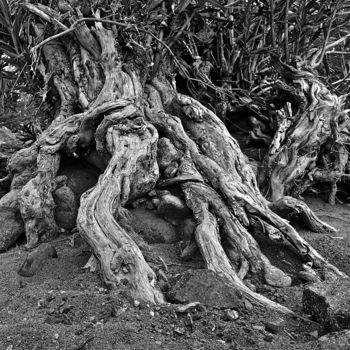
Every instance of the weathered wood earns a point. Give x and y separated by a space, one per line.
119 120
313 124
292 208
131 172
225 168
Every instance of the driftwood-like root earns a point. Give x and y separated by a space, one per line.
133 147
309 128
292 208
233 197
121 120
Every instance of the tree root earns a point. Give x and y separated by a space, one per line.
122 123
121 261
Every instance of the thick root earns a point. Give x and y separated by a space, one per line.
131 172
292 208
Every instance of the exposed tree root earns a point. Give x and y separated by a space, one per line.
292 208
121 120
134 148
308 143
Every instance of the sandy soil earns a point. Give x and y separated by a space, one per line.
66 307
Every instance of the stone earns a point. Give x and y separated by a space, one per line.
66 210
179 331
11 227
206 287
230 315
173 208
275 326
152 228
36 259
328 303
277 278
334 341
188 307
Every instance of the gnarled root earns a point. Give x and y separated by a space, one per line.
131 172
292 208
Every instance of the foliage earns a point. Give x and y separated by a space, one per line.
219 50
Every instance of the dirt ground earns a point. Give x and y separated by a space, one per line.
66 307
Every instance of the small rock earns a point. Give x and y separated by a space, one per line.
206 287
258 328
66 210
179 330
151 313
157 342
335 341
187 307
136 303
152 193
276 277
51 311
152 228
230 315
92 319
248 305
328 303
314 334
56 336
36 259
274 326
173 208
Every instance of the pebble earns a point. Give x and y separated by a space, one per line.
314 334
274 326
50 311
151 313
152 193
231 315
136 303
248 305
56 336
179 331
184 308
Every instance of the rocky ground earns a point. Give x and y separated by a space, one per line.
64 306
